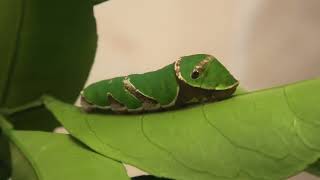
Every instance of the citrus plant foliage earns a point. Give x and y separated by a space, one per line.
269 134
48 47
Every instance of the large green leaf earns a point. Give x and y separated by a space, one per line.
48 156
269 134
46 47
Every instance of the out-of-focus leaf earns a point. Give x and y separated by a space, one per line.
9 22
49 156
5 161
269 134
4 158
36 118
46 47
96 2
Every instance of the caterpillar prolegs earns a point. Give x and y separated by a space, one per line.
191 79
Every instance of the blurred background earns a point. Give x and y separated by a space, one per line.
264 43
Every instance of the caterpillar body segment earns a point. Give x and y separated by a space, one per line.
190 79
108 93
159 85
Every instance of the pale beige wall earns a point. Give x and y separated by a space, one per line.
263 42
283 43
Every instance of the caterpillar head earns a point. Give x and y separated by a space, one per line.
205 72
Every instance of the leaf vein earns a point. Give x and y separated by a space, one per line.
106 144
296 122
173 157
238 146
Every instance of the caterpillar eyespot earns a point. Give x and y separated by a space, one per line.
171 86
195 74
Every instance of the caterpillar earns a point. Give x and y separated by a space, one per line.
190 79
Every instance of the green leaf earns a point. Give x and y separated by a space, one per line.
96 2
5 161
4 158
46 47
269 134
49 156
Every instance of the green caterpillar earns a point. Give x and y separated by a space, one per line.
190 79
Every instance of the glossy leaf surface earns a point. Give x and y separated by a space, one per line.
46 47
48 156
269 134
